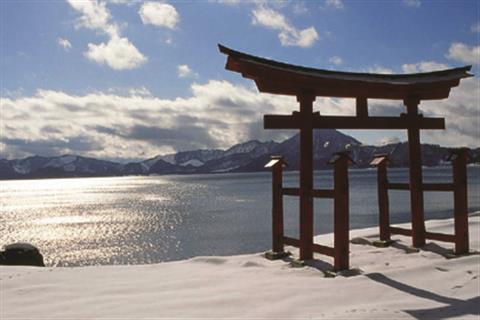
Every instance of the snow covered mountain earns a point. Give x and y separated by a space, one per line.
243 157
325 143
204 161
196 158
62 166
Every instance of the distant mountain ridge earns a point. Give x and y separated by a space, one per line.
250 156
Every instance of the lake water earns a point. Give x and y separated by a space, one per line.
137 220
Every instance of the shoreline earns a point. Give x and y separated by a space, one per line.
390 283
366 168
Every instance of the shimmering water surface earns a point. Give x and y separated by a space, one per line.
134 220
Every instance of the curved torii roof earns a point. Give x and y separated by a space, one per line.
281 78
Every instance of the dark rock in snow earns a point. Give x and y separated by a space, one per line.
21 254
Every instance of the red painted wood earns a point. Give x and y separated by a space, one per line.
291 191
328 251
402 231
398 186
347 122
328 89
460 203
291 242
415 166
318 248
281 78
341 211
323 193
440 236
425 186
277 207
362 107
438 187
316 193
306 176
383 205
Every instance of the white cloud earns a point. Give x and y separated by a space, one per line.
124 2
117 53
336 60
218 114
227 2
129 91
412 3
64 43
299 7
388 140
119 1
336 4
288 35
141 91
464 53
159 14
305 38
184 71
423 66
94 15
13 93
379 69
475 28
461 113
270 18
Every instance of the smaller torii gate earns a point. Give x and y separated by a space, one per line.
308 83
459 158
340 196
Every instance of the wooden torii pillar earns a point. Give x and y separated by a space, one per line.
277 163
308 83
381 161
306 100
415 168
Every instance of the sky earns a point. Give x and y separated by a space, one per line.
128 80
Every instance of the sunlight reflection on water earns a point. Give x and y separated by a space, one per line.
89 220
134 220
67 220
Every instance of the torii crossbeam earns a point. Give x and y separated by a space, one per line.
308 83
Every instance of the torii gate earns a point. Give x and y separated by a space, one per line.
308 83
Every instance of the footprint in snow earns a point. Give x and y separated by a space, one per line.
251 264
216 261
442 269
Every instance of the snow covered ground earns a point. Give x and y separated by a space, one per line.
393 284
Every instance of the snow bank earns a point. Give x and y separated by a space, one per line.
393 284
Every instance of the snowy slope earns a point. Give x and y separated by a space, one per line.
389 283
